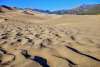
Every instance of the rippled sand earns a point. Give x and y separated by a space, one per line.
42 40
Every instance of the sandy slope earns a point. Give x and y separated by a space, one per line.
42 40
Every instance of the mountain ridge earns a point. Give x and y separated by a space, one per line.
91 9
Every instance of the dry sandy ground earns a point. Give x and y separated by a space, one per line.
42 40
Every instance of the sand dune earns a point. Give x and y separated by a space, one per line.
43 40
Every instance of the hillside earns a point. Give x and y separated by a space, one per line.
4 8
34 39
88 9
92 9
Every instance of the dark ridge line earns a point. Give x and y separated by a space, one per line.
41 61
4 37
38 59
72 37
25 54
2 50
42 46
75 50
71 63
5 52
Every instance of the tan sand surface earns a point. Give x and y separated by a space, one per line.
44 40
